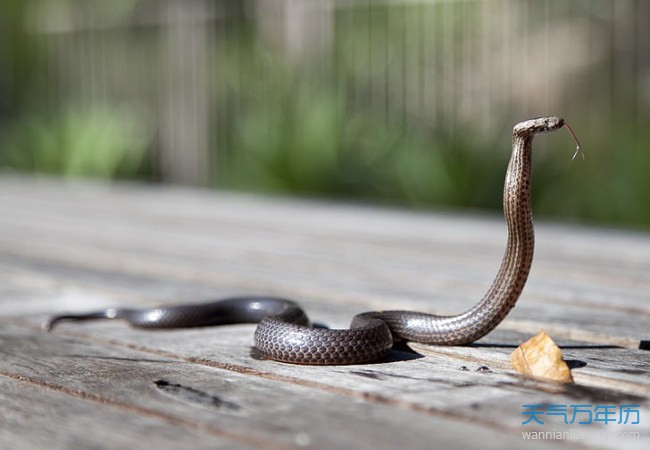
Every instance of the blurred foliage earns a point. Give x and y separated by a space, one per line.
297 133
68 138
316 146
296 130
610 186
100 143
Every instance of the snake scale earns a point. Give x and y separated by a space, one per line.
284 333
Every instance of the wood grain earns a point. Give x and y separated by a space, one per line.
83 246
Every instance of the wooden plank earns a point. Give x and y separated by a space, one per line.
260 411
88 247
336 318
232 217
358 280
544 310
438 384
34 416
252 248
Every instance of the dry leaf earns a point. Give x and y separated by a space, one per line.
540 357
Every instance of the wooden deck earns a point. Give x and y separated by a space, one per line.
79 247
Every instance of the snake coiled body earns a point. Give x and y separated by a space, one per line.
284 334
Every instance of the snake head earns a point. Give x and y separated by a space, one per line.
540 125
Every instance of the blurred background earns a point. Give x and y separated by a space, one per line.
394 102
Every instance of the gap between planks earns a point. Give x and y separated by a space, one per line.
171 419
584 379
496 361
512 431
369 301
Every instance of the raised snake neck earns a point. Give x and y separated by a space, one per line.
283 332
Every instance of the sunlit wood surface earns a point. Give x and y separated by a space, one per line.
78 247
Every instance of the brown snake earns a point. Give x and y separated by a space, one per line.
284 334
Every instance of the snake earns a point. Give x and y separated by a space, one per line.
284 332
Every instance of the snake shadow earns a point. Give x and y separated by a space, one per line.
401 352
575 363
566 347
